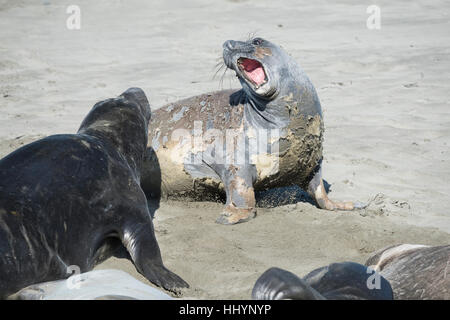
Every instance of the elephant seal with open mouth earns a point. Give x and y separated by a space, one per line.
71 201
235 142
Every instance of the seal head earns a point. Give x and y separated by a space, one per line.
251 60
268 75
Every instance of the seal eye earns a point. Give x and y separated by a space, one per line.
257 41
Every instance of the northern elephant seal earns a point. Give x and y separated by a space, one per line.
416 272
267 134
338 281
75 199
399 272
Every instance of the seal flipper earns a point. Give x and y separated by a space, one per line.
241 204
279 284
317 190
141 244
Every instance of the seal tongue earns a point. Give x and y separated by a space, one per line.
254 71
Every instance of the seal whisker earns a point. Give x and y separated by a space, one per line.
223 76
219 63
251 35
219 68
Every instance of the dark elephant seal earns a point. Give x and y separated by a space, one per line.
267 134
338 281
416 272
75 199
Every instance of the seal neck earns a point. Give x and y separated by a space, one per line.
130 150
295 99
264 113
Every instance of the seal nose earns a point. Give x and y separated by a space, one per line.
138 96
230 45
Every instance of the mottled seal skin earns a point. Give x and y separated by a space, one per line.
416 272
75 199
284 108
338 281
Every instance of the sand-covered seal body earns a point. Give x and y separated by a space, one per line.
75 199
267 134
338 281
416 272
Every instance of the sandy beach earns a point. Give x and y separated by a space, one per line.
384 95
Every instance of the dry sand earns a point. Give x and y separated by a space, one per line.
384 93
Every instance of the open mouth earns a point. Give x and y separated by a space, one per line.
253 71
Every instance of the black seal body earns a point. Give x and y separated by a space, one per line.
75 199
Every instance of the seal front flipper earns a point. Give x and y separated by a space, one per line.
241 204
317 191
140 241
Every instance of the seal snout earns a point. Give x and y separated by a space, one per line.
229 45
137 95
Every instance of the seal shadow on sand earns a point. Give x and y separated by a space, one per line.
276 197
